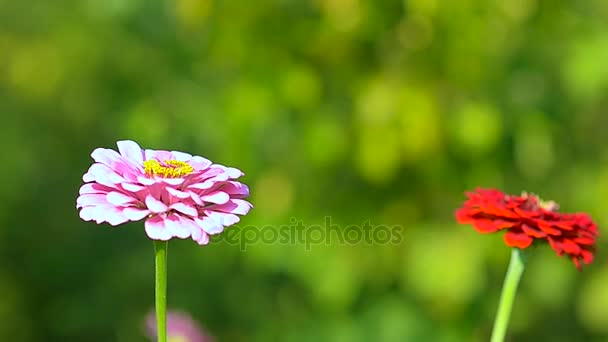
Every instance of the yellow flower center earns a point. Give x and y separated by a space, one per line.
167 169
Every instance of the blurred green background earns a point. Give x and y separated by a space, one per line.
356 109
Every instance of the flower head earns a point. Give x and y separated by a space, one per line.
527 219
180 328
179 195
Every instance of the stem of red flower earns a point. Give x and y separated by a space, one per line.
160 291
507 297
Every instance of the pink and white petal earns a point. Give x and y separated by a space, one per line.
145 180
181 156
196 231
217 197
94 188
233 173
203 239
196 198
199 163
234 206
155 205
156 229
236 188
96 173
177 193
108 213
159 155
222 177
172 181
88 177
135 214
225 219
185 209
90 200
102 174
132 187
87 213
106 156
131 151
208 184
213 171
177 227
115 216
119 198
116 178
129 172
209 225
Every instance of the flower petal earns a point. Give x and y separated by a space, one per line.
94 188
234 206
155 205
203 239
156 229
131 151
209 225
233 173
177 227
217 197
145 180
181 156
224 219
533 231
86 213
570 247
519 240
172 181
208 184
546 227
118 198
235 188
184 208
106 156
89 200
200 163
177 193
135 214
485 226
104 213
132 187
196 198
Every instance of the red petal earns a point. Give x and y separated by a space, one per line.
498 211
465 215
546 227
532 231
502 224
556 245
565 225
570 247
519 240
526 213
585 241
577 263
587 256
485 226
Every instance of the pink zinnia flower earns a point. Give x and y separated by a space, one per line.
178 194
180 328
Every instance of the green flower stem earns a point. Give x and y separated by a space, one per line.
507 297
160 291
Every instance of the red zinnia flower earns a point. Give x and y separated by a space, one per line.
527 219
